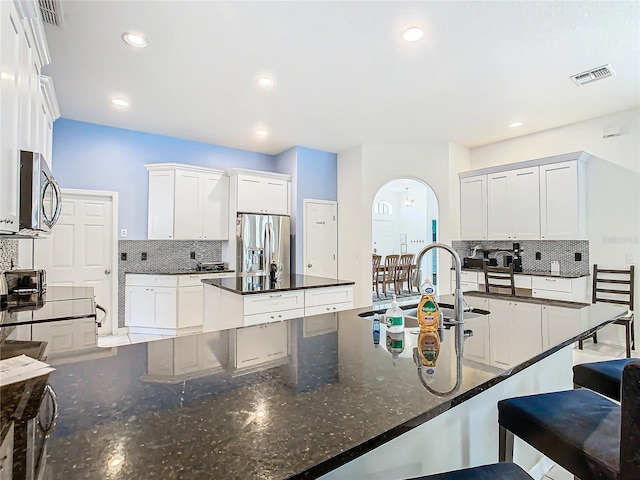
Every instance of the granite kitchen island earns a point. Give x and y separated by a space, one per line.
181 408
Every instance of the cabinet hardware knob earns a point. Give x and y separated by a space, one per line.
107 271
309 265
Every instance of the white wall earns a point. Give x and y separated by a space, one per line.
361 173
623 150
613 209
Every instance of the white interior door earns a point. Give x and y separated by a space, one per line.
81 249
320 238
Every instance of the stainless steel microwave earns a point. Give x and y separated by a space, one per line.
40 199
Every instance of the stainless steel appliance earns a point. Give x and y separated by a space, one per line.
40 199
262 243
23 283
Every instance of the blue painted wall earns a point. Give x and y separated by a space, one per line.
95 157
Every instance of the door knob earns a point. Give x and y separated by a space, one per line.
107 271
309 265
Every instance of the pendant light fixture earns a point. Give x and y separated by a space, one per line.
407 202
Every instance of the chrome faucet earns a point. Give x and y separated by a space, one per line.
458 306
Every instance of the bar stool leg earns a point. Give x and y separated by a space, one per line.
505 445
628 338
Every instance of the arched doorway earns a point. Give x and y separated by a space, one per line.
404 220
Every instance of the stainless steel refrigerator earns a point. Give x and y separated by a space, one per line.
262 244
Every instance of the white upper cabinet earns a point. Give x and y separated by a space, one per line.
10 39
562 212
513 211
536 199
262 192
187 203
473 208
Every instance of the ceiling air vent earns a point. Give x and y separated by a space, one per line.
51 11
593 75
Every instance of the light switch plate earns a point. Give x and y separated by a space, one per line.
123 232
555 267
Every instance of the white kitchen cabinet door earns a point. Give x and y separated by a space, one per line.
500 332
139 306
525 331
190 306
188 205
559 202
215 207
164 302
10 31
161 195
473 208
559 324
265 195
524 203
499 224
513 211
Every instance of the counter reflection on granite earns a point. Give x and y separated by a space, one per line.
262 284
56 304
337 391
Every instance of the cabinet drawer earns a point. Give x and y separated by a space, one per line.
522 281
472 277
260 318
273 302
551 283
152 280
327 296
194 279
322 309
553 295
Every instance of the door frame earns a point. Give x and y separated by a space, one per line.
114 242
306 201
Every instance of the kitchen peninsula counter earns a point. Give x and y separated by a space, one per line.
251 285
336 399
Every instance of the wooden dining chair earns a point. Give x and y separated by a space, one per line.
375 272
389 272
403 272
500 279
615 286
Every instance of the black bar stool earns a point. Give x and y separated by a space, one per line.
585 433
602 377
496 471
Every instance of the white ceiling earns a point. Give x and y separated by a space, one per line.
344 75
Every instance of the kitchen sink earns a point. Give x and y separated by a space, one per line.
411 314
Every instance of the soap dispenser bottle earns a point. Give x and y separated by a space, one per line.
394 318
428 309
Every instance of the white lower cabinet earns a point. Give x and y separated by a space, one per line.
318 301
259 344
476 348
555 288
559 324
514 323
165 304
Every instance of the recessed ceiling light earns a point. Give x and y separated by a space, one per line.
134 40
413 34
119 102
516 124
265 82
261 133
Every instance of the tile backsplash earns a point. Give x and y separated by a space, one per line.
563 251
161 256
8 253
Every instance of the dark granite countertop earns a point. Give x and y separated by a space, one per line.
535 274
522 298
337 396
261 283
177 272
57 304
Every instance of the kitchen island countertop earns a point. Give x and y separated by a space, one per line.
249 285
337 397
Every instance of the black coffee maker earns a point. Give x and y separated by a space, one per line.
517 259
